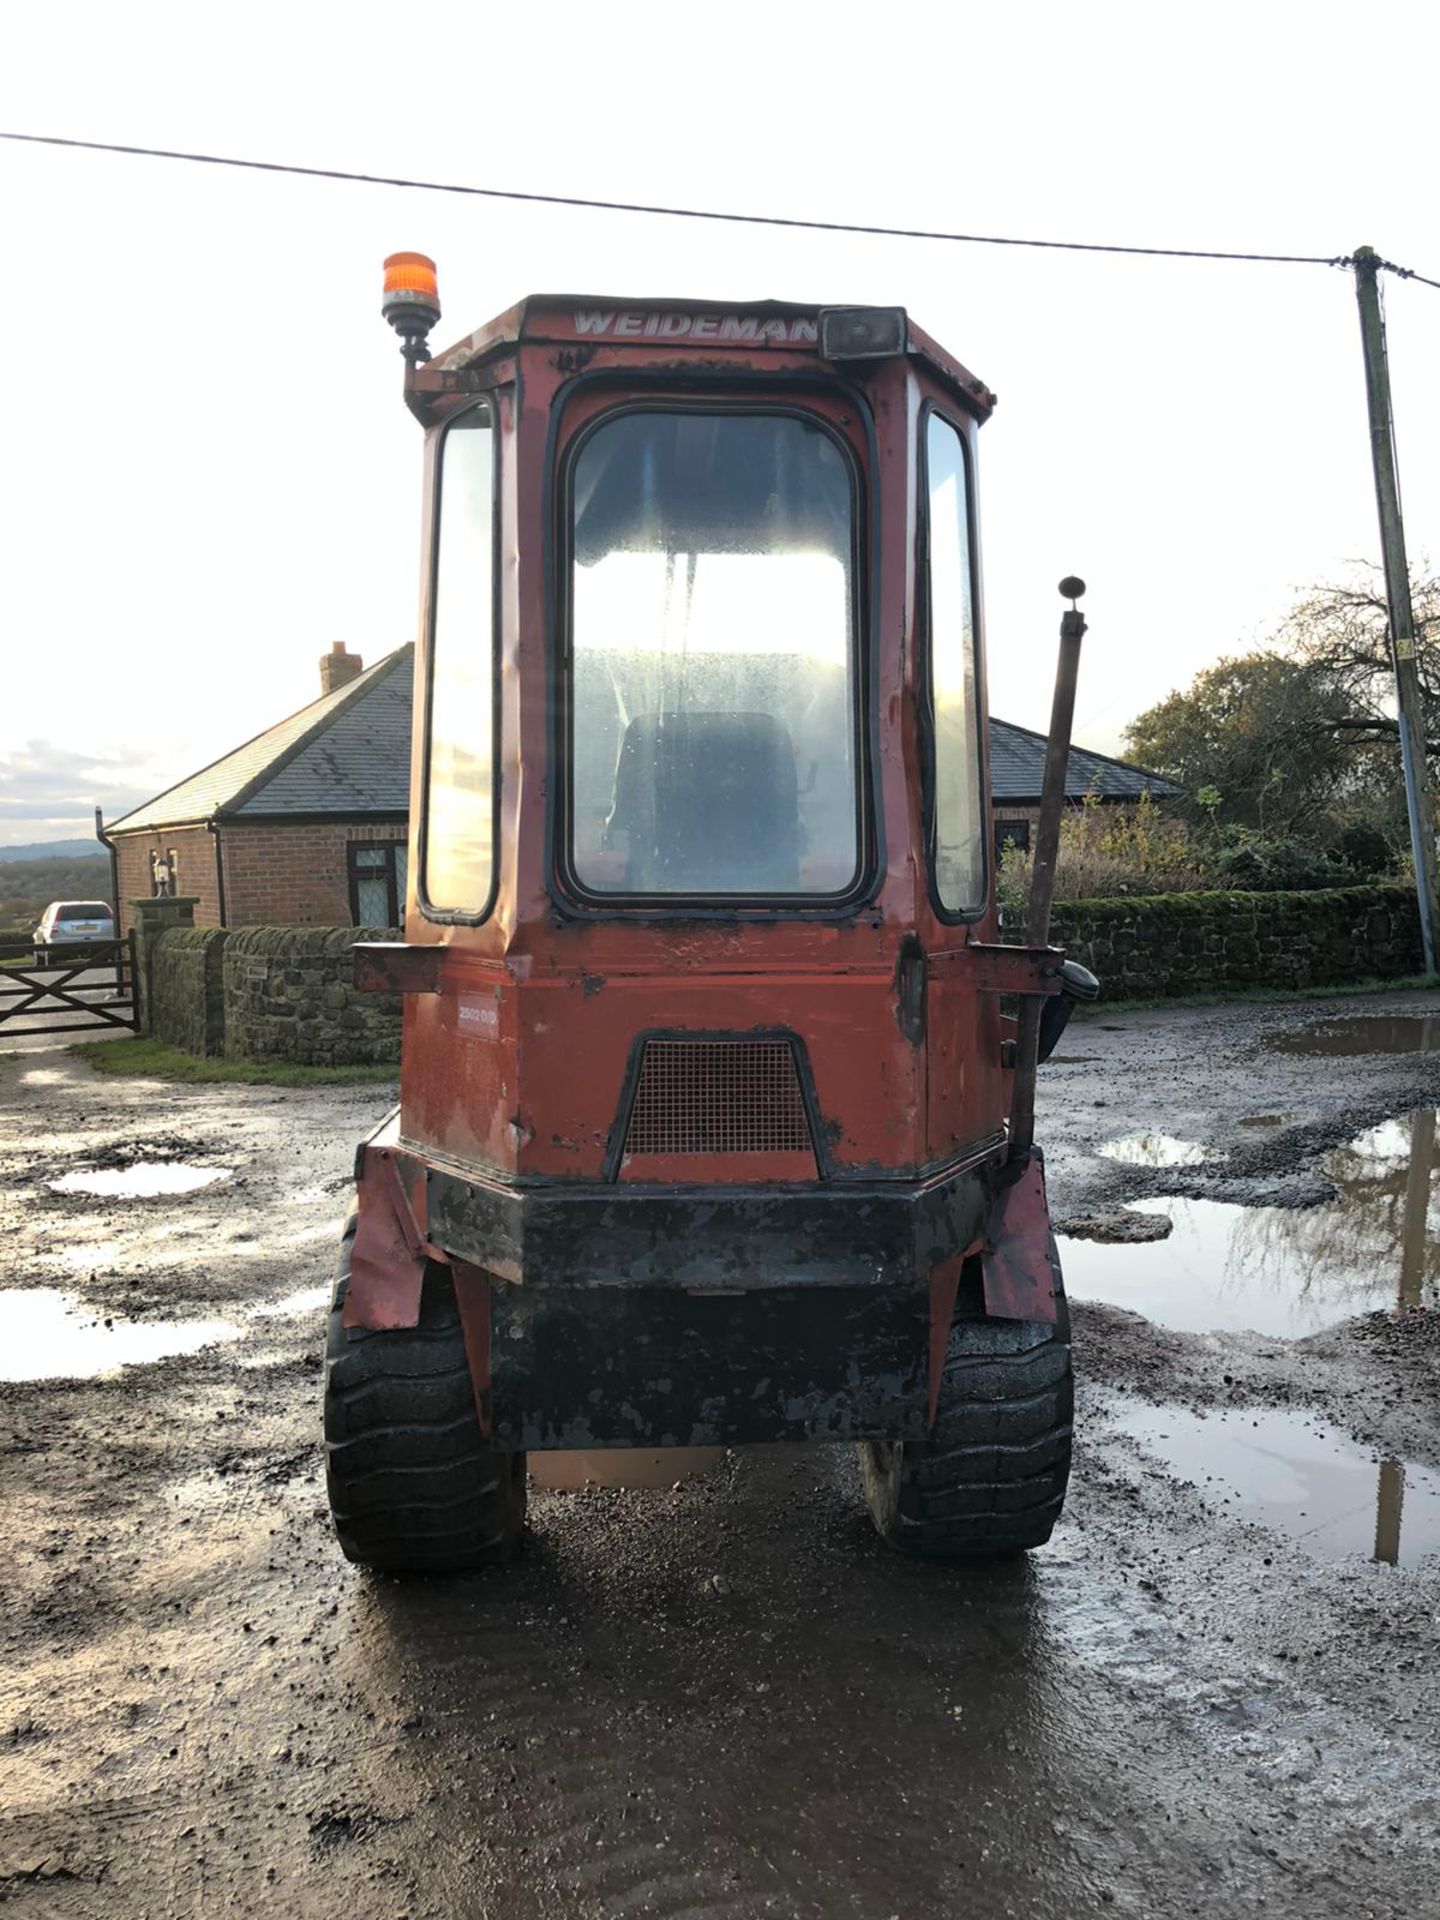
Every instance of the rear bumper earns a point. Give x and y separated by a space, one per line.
700 1238
702 1315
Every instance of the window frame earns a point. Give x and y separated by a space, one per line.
732 396
489 400
395 893
925 651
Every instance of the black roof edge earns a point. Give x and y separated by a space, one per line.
351 694
1125 766
201 820
363 816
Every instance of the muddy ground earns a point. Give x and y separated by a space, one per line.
722 1699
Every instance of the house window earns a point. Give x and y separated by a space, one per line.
1011 833
377 883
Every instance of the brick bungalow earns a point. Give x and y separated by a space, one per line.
303 826
306 825
1017 774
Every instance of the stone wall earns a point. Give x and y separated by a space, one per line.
187 988
289 995
1190 943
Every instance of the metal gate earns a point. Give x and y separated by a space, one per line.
93 987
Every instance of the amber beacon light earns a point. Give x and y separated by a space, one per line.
411 301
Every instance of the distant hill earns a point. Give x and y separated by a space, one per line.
52 850
29 884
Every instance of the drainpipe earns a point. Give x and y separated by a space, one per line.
109 846
213 827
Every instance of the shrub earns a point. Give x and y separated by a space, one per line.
1366 850
1107 852
1253 864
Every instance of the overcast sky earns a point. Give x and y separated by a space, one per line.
206 471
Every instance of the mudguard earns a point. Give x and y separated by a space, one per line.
1015 1262
387 1263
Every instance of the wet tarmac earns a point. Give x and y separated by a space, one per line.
719 1697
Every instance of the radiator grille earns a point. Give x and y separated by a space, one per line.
718 1096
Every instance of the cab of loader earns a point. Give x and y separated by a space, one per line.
705 1126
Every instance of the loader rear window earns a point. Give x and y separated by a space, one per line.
957 825
714 718
459 824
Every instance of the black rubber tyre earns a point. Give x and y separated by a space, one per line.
990 1480
414 1486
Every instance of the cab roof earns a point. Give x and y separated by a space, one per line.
686 326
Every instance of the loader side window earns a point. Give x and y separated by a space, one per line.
458 831
957 825
713 698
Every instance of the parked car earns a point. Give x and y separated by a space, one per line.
72 923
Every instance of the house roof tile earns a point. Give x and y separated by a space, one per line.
346 753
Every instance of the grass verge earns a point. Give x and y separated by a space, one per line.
155 1061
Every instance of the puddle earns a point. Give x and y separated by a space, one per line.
1368 1033
306 1301
145 1180
1290 1472
1158 1150
45 1335
1285 1271
623 1467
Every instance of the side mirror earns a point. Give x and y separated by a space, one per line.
1077 983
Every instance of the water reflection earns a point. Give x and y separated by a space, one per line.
47 1334
44 1335
1158 1150
1286 1271
1371 1033
1288 1471
144 1180
623 1466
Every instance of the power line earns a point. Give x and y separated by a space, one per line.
693 213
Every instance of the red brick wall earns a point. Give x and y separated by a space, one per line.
275 876
194 849
292 875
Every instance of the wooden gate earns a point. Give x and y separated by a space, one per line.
92 987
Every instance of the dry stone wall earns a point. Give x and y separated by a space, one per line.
187 988
290 995
1192 943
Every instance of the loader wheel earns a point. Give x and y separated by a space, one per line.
414 1486
990 1479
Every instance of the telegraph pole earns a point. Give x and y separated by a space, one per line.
1397 593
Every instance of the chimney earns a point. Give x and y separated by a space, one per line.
338 668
